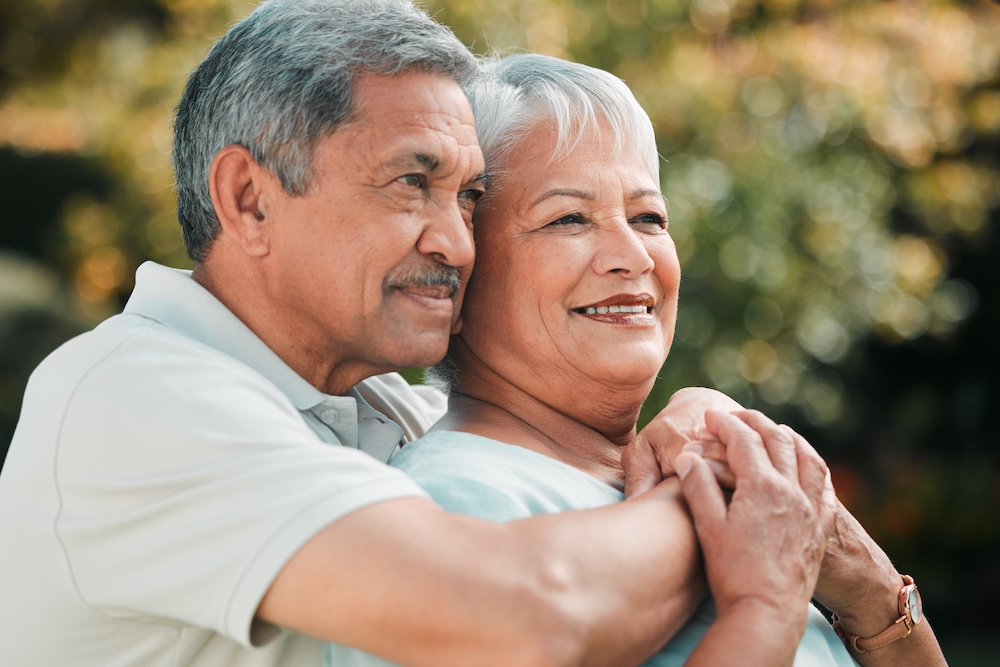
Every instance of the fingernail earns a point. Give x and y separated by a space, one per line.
716 466
694 448
683 466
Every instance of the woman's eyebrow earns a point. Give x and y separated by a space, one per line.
565 192
645 192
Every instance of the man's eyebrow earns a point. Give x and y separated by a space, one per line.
410 160
482 179
565 192
428 161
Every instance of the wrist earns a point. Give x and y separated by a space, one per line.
857 581
779 627
875 610
910 615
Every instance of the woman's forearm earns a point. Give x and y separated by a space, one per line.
860 584
750 633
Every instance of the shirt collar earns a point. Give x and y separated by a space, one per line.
173 299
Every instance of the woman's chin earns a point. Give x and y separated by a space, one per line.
626 371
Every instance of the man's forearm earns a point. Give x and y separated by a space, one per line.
636 586
598 587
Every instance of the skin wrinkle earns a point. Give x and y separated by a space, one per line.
373 212
566 359
574 231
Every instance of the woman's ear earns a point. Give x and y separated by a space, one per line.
237 184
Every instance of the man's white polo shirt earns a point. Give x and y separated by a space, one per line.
165 467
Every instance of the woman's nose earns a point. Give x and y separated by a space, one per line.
621 251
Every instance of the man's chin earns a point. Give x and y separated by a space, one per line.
421 352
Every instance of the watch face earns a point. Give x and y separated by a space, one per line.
913 603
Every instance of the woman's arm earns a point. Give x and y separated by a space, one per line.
764 547
860 584
857 581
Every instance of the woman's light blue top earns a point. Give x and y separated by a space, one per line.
477 476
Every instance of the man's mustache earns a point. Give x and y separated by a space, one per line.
430 275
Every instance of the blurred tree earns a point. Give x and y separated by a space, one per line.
833 183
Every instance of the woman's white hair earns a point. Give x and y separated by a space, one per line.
513 94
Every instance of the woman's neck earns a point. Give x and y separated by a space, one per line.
490 406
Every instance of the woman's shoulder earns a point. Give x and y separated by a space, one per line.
472 474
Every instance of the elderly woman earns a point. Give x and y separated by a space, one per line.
568 316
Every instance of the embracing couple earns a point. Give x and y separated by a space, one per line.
230 474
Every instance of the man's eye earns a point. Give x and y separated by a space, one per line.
472 195
413 180
650 219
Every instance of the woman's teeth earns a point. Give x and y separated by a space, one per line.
604 310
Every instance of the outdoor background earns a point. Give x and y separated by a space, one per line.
833 177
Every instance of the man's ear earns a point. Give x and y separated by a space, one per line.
237 184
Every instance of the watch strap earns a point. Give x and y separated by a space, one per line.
902 627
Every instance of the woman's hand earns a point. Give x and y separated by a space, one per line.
764 548
650 456
856 578
769 541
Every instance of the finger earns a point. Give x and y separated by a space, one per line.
828 507
714 454
812 469
642 469
702 493
778 442
711 448
744 448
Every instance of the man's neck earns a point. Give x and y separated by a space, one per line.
246 298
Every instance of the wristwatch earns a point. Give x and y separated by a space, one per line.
911 612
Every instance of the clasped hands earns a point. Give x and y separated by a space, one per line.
782 537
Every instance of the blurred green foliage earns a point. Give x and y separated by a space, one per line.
833 177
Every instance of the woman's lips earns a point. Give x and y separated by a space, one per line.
620 304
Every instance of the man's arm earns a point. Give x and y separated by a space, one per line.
418 586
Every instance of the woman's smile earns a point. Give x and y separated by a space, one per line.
626 309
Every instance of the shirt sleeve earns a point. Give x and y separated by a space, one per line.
187 481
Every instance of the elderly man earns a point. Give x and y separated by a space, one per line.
201 479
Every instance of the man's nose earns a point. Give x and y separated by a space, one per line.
621 251
447 236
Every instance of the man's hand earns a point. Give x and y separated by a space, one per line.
650 457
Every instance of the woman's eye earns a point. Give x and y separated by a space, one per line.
650 219
574 219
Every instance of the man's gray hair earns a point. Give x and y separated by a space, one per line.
513 94
281 80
